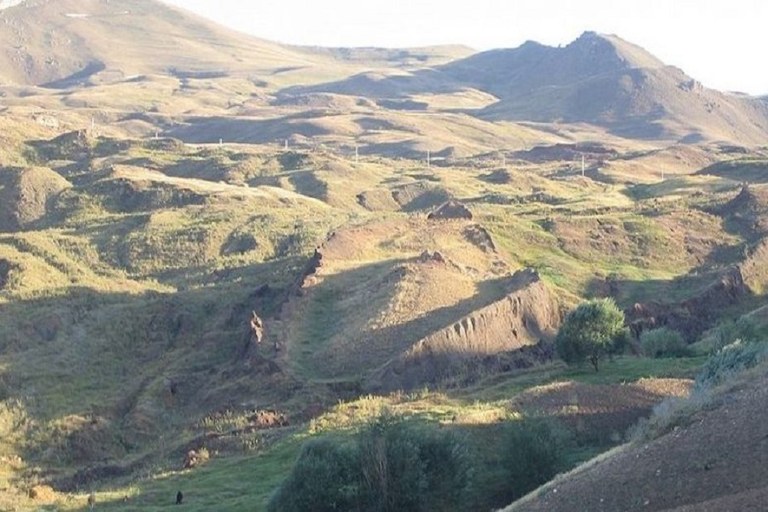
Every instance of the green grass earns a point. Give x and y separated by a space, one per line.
245 482
622 369
141 293
237 484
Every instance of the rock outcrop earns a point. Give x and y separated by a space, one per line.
519 321
451 210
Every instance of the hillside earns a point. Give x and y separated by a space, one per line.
604 80
596 79
69 42
215 248
151 255
712 461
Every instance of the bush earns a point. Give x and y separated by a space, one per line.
729 360
322 479
534 451
591 331
393 474
744 329
391 465
448 469
663 342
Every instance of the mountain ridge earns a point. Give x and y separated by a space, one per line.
597 79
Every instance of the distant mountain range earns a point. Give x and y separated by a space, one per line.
597 79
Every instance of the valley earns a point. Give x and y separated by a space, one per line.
411 228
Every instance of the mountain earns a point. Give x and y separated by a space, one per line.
47 42
604 80
597 79
66 42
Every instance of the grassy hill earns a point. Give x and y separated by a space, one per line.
214 248
126 301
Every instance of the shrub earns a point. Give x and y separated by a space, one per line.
663 342
323 479
391 465
448 469
534 451
393 474
744 329
729 360
591 331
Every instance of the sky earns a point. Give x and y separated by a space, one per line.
718 42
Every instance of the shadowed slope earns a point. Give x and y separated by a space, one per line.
715 461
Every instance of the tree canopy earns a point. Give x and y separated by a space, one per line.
591 331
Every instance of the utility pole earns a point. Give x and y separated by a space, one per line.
583 166
286 144
429 159
357 154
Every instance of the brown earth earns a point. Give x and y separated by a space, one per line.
676 240
451 210
715 461
393 287
527 314
601 412
692 316
408 197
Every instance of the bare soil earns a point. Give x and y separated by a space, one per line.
601 412
716 461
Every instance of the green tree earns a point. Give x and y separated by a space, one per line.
323 479
391 465
393 476
591 331
534 450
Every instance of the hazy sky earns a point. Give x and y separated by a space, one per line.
719 42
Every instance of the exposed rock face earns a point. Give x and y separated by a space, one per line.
480 236
695 315
520 320
451 210
26 194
